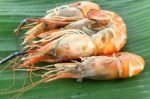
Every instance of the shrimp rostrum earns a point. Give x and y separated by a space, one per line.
100 33
55 19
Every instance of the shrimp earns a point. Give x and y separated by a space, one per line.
114 66
101 33
56 18
106 67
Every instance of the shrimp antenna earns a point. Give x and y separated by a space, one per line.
11 56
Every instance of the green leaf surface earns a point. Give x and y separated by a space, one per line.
136 14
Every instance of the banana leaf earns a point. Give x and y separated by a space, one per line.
136 14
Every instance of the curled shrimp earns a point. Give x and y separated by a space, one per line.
100 33
56 18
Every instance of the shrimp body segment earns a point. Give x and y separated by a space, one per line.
118 65
113 35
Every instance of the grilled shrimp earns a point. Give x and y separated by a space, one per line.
114 66
56 18
102 32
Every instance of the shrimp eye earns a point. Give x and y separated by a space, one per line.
53 52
